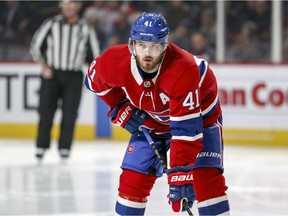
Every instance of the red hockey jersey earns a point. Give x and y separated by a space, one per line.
183 94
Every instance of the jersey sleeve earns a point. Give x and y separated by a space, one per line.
97 80
186 118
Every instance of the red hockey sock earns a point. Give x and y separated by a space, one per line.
208 183
135 186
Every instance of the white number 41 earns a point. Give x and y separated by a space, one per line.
148 23
192 100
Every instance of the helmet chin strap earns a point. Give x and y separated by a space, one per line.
130 46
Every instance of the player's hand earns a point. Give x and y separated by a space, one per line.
133 119
180 180
127 116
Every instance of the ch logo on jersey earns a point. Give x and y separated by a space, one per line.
130 148
147 84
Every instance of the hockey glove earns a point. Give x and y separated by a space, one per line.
132 119
127 116
180 180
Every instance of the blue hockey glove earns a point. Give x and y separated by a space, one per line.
132 119
129 117
180 180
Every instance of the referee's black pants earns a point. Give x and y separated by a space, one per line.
64 86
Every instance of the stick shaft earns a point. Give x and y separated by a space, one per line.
154 148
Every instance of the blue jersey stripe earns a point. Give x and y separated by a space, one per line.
87 83
190 127
215 209
202 68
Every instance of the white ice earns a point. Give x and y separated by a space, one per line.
87 184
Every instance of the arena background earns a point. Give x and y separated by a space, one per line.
247 52
246 43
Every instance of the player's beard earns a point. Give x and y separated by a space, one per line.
150 66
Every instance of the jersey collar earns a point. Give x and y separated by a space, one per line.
136 73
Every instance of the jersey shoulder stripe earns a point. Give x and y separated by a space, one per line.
88 83
202 67
211 107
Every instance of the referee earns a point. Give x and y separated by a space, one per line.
62 45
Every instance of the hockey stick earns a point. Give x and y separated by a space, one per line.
153 146
164 165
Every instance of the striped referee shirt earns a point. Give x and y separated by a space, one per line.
63 46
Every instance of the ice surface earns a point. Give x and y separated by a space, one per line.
87 184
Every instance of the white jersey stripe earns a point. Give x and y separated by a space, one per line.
186 117
64 50
56 48
213 201
103 92
64 46
75 31
204 74
204 112
49 51
188 138
135 72
132 204
198 62
90 84
38 40
81 49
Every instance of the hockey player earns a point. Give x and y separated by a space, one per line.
154 84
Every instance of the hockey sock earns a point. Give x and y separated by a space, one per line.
133 192
209 185
215 206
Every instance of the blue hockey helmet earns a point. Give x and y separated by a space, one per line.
151 27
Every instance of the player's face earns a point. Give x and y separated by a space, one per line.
148 55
